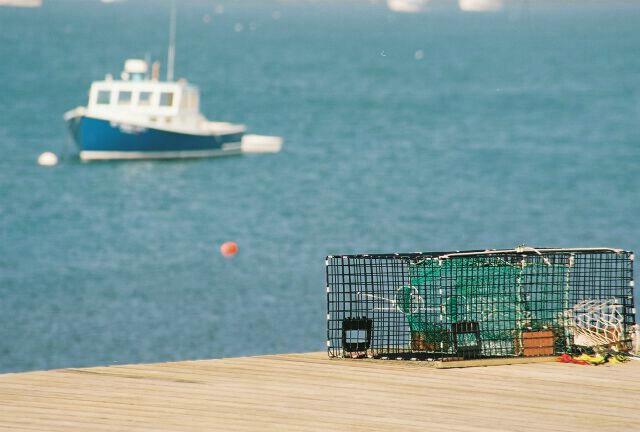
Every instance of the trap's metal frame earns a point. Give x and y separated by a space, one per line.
522 302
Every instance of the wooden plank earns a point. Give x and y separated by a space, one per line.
310 392
493 362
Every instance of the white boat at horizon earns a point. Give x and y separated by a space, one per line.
407 6
480 5
21 3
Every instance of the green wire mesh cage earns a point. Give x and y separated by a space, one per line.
479 304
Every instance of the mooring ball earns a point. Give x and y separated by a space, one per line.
229 249
47 159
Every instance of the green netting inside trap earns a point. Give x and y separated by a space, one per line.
504 295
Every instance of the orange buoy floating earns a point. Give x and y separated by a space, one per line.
229 249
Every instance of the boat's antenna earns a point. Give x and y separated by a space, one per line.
172 42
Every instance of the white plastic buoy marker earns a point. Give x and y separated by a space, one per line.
48 159
261 144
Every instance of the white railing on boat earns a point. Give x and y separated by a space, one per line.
223 127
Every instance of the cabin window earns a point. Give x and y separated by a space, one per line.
104 97
124 98
166 99
145 98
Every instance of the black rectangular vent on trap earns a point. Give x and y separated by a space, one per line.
356 334
466 339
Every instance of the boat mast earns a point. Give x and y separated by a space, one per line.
172 42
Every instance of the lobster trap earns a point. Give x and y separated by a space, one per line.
522 302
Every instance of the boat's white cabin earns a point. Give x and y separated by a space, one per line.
141 95
141 99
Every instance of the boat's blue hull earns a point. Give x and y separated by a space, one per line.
103 139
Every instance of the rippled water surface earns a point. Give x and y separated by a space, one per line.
432 131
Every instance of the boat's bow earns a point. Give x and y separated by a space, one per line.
72 118
75 113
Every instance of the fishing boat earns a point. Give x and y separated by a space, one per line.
139 116
21 3
480 5
407 6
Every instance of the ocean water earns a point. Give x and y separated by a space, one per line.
434 131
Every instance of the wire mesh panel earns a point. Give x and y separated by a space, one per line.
479 304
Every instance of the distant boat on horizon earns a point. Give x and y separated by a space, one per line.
480 5
407 6
21 3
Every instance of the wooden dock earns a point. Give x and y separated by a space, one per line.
309 392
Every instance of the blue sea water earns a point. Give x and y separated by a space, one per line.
435 131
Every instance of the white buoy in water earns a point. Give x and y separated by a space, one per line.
48 159
261 144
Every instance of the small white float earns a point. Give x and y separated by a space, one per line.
48 159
